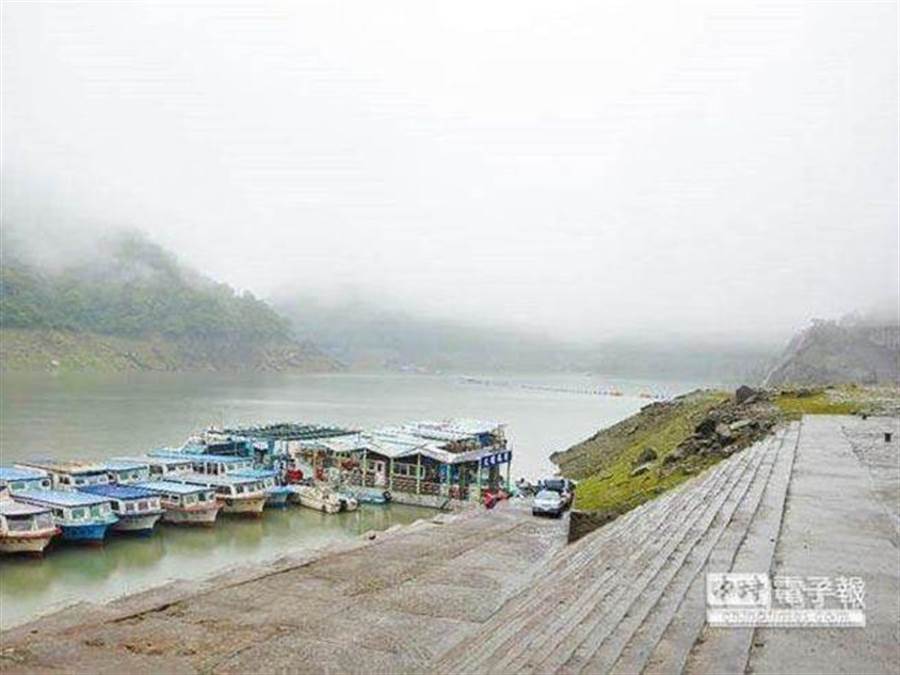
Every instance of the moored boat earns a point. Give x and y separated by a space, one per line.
19 479
276 495
24 528
124 471
184 503
370 496
137 509
81 517
215 465
236 495
162 468
70 474
317 497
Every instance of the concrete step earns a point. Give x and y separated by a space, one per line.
716 552
622 561
583 573
717 649
601 648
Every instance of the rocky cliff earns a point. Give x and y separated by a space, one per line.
831 352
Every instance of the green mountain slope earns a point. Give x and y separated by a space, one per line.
134 306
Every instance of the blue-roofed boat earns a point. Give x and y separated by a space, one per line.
70 474
276 494
24 528
136 508
235 494
215 465
126 471
185 503
19 479
162 468
81 516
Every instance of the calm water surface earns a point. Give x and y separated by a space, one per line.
92 417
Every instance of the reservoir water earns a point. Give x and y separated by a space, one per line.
96 416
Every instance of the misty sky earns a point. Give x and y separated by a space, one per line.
579 168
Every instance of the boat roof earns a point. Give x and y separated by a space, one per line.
117 491
210 457
199 456
12 507
255 473
281 431
172 487
165 461
65 466
210 479
125 464
21 473
60 497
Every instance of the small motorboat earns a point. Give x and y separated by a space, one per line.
317 497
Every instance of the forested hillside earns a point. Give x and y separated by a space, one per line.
131 292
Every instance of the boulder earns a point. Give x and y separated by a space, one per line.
706 427
647 456
723 431
744 393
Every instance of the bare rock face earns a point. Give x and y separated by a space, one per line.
744 393
829 352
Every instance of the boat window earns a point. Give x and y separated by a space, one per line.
156 470
45 483
17 485
79 481
96 510
78 514
143 506
129 506
115 506
202 496
189 499
58 513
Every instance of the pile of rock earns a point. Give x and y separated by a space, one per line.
729 427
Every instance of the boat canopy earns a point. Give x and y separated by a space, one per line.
118 491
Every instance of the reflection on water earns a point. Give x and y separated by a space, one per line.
96 416
70 573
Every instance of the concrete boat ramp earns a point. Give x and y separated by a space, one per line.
500 592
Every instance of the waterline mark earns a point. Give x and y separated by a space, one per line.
758 600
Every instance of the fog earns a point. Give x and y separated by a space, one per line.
582 170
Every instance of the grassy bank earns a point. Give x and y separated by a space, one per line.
605 464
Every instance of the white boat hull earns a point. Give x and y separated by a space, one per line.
243 504
143 523
26 542
205 516
312 498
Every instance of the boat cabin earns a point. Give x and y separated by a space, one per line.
19 479
126 500
173 494
219 465
224 485
165 468
69 506
124 471
16 516
69 474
